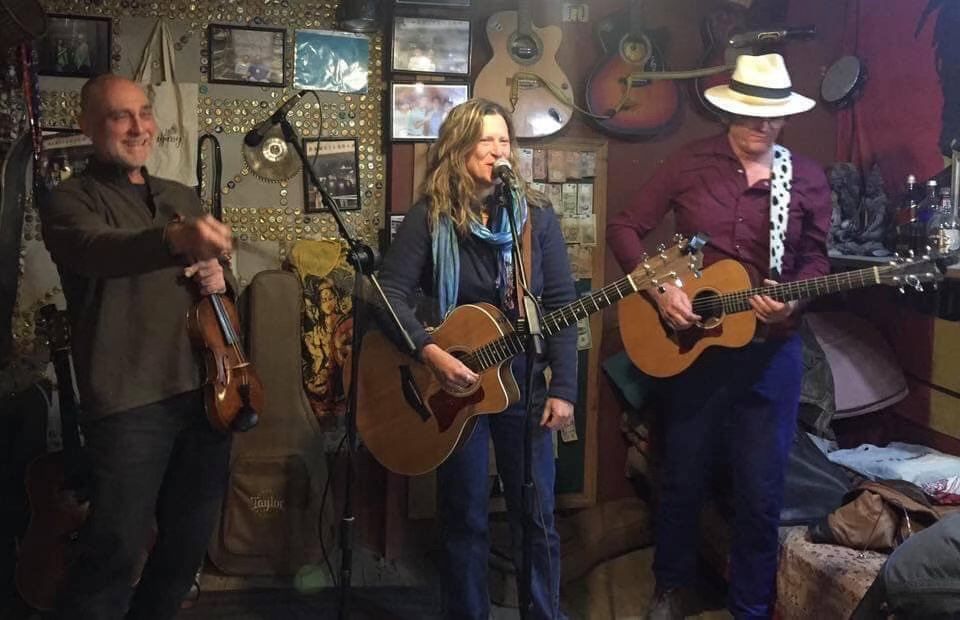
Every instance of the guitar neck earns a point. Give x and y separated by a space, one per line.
506 347
524 21
739 301
68 410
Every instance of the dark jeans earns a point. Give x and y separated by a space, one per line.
464 509
742 402
161 463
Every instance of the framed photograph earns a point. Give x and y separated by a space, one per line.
334 161
246 55
417 110
338 62
450 3
64 154
431 45
75 46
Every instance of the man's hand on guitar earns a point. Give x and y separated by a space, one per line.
675 307
557 413
208 275
769 310
452 374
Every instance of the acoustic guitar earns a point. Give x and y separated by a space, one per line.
411 424
721 297
55 484
636 107
523 76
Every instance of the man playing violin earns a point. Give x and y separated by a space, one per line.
133 251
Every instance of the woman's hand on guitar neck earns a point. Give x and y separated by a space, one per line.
452 374
674 305
769 310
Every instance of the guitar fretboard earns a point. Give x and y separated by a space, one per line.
739 301
505 347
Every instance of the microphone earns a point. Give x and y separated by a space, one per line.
255 136
757 37
504 171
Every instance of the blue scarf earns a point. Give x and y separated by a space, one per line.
446 254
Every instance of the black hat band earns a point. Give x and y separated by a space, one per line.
760 91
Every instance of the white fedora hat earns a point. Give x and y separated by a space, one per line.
760 86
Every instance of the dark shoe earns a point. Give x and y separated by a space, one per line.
666 605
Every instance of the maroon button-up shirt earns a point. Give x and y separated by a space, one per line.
706 187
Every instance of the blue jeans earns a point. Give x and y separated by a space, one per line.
463 509
744 402
161 463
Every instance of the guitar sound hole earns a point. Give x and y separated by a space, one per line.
707 305
525 48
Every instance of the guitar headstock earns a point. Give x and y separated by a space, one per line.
53 325
671 265
913 272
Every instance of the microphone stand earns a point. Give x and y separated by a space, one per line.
362 257
533 347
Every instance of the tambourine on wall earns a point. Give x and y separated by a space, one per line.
843 82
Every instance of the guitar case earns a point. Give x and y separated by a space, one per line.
272 521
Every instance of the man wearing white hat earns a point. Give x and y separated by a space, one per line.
769 209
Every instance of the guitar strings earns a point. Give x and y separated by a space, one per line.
740 299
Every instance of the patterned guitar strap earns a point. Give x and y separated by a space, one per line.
781 182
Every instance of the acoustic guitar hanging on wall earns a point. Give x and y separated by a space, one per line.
622 102
523 76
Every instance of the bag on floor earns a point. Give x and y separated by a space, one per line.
877 515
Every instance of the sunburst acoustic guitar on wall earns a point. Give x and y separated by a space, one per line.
621 101
721 297
411 424
523 76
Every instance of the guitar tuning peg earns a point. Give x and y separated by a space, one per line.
661 249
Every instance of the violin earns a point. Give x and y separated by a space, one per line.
233 393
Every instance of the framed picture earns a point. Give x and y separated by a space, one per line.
75 46
431 45
450 3
417 110
64 154
332 61
246 55
334 161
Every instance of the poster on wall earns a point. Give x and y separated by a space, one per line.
245 55
75 46
417 110
331 61
335 164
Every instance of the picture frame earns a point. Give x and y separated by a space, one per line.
75 46
64 154
335 162
418 109
459 4
246 55
331 61
431 45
